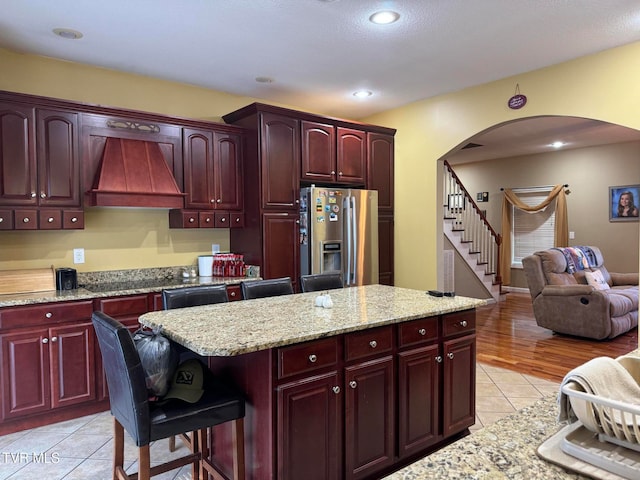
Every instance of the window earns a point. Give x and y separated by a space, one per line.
532 231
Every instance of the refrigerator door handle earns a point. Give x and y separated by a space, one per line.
346 209
354 237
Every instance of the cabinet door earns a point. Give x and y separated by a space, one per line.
385 249
280 161
73 365
310 429
198 168
369 417
418 399
318 152
228 171
58 158
380 169
352 156
17 155
280 245
459 380
25 373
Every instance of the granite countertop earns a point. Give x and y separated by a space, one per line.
236 328
505 450
116 283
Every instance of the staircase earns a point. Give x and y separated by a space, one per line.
467 229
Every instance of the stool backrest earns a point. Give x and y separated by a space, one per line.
266 288
321 281
125 377
194 296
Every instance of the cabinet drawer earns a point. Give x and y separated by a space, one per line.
45 314
206 220
26 219
368 343
234 292
50 219
123 306
417 332
458 323
222 220
6 219
72 219
237 220
307 357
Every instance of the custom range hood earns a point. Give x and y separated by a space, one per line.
133 173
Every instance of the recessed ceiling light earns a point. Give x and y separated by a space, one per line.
67 33
362 93
264 79
384 17
557 144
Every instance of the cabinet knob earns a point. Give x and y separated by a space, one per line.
54 339
45 340
313 358
212 200
74 219
422 332
33 194
333 172
207 220
336 389
232 294
25 220
353 384
340 173
191 219
450 355
463 323
238 219
297 200
50 219
48 314
43 195
373 344
223 219
1 219
439 359
298 222
219 200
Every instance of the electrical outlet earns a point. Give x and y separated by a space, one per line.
215 248
78 255
572 235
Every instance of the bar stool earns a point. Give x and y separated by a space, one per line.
266 288
321 281
148 421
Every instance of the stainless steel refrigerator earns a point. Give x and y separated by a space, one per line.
339 233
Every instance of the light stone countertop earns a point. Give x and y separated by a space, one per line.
235 328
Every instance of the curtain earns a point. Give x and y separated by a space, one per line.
561 233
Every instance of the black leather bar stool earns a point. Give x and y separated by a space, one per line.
266 288
321 281
148 421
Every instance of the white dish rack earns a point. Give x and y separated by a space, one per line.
609 421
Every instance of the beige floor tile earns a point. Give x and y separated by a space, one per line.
78 445
493 405
50 470
514 390
487 390
508 378
482 377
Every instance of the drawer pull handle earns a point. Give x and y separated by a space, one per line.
191 219
207 220
336 389
313 358
50 219
43 195
450 355
353 384
212 201
54 339
218 201
74 219
48 315
237 219
33 194
45 340
422 332
463 323
25 220
233 294
439 359
373 344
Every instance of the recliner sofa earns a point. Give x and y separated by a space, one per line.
565 302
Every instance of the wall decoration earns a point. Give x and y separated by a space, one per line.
623 203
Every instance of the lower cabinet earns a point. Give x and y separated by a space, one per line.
392 393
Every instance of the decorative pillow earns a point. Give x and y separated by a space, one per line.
596 280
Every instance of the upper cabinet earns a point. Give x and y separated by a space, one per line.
17 155
332 154
380 169
212 170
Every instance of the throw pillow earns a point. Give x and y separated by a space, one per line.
596 280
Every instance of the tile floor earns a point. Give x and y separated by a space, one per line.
81 449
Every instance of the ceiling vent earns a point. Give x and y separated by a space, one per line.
134 173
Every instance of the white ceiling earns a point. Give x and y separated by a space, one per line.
318 52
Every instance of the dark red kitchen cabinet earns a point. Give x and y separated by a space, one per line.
385 249
459 408
228 171
380 169
369 417
58 158
351 156
17 155
318 152
280 244
310 428
280 161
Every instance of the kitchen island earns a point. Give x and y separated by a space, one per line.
379 380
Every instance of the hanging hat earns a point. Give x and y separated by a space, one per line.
187 383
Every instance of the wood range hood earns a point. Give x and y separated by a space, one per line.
134 173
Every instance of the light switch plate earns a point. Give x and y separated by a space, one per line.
78 255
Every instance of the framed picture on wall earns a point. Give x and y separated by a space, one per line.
623 203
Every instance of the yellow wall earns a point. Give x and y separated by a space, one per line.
605 86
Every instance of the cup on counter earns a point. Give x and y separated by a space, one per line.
205 265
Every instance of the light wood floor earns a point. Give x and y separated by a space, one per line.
508 337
